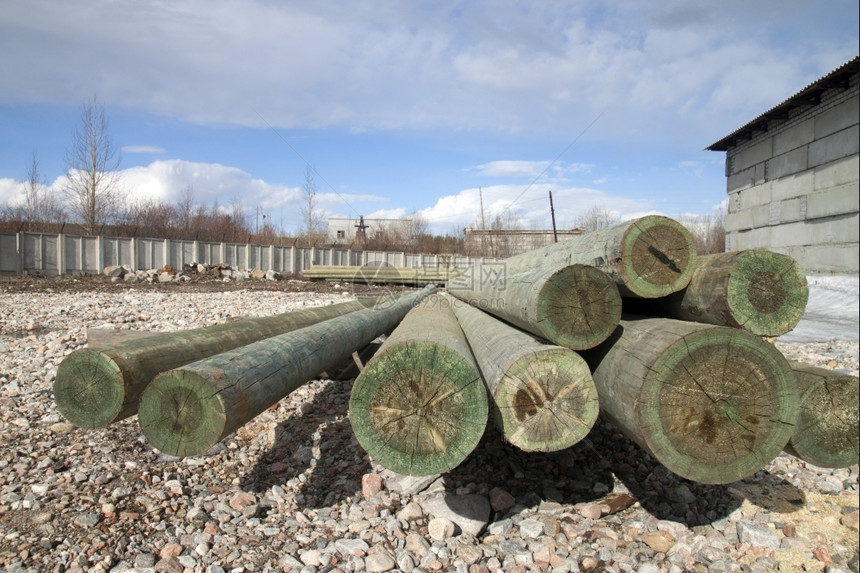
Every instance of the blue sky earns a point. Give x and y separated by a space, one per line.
405 107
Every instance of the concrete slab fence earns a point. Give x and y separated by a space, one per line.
60 254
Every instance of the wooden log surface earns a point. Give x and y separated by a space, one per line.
187 410
649 257
419 406
542 397
758 290
101 384
826 434
712 404
575 306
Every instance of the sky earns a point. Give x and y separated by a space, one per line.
447 109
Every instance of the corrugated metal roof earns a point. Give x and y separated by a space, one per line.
810 95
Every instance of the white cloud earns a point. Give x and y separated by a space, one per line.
529 206
658 71
143 149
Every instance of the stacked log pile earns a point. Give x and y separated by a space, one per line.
628 322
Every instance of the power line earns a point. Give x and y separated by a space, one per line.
311 167
551 163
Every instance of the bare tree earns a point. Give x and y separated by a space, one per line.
33 191
313 219
709 231
93 186
595 218
185 209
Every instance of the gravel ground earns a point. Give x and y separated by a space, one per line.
293 491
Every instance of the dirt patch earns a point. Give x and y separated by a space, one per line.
195 283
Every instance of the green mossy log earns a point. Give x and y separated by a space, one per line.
712 404
758 290
542 396
187 410
99 385
826 434
575 306
419 406
649 257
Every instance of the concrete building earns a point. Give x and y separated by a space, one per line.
348 231
792 176
501 243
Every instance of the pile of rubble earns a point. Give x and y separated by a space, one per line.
168 274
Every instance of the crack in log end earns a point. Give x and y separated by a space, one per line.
766 292
660 255
183 410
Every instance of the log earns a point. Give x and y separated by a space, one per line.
381 274
542 397
187 410
99 385
649 257
758 290
575 306
419 406
712 404
826 432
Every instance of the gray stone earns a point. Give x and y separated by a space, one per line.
531 528
379 563
409 485
757 535
347 547
470 512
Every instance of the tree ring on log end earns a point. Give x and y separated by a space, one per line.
418 408
546 401
718 405
87 378
826 433
658 257
579 307
180 414
767 292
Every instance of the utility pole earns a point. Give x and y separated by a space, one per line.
483 225
552 214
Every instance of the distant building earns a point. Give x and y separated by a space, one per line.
506 243
348 231
792 176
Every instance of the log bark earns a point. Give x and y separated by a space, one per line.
419 406
648 257
542 397
712 404
826 433
758 290
575 306
99 385
187 410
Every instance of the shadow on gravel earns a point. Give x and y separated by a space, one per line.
335 473
584 473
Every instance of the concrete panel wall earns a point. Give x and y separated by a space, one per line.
841 144
798 135
795 189
838 118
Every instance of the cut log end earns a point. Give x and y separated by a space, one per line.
579 307
658 257
546 401
767 292
180 416
718 406
420 411
89 392
826 432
